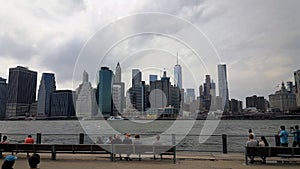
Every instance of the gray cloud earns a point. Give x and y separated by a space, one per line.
259 40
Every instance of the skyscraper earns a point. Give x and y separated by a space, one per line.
136 77
177 75
86 105
105 92
152 78
137 91
21 91
190 95
118 90
297 85
164 95
3 97
223 86
118 74
207 87
46 88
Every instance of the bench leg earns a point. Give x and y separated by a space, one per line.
246 159
53 153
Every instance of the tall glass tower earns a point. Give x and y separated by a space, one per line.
177 75
21 91
46 88
223 86
105 92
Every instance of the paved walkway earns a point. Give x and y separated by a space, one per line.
187 160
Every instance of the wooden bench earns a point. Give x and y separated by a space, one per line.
90 149
57 148
264 152
145 149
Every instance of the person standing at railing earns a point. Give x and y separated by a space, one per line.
284 137
296 134
4 140
29 140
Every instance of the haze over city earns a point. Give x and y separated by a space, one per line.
259 41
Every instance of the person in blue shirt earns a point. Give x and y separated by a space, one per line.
296 134
284 137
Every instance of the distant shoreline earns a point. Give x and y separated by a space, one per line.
231 117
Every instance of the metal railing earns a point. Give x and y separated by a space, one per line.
216 143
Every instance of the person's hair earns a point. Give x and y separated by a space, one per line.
282 127
157 137
251 136
34 160
137 136
263 138
297 127
250 130
29 136
8 164
4 137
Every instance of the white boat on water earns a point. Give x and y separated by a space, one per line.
116 118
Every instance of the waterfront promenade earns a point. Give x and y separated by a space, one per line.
190 160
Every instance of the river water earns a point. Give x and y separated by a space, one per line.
186 132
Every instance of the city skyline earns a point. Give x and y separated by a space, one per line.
141 77
265 53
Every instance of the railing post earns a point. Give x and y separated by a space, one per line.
0 150
53 153
38 138
277 140
81 138
174 148
224 143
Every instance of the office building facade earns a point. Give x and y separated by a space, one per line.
258 102
190 95
62 103
21 91
223 86
86 106
104 92
152 78
3 97
282 100
46 88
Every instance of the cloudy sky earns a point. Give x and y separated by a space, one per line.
258 40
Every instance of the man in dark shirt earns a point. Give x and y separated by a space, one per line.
296 134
